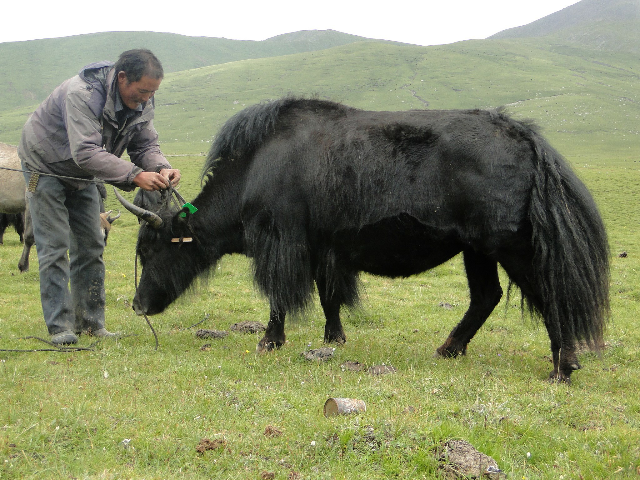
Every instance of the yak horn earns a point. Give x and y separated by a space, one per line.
107 216
151 218
111 219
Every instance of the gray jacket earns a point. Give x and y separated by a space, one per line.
74 133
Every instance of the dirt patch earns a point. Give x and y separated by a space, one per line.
203 333
206 444
319 354
382 369
460 460
248 327
271 431
352 366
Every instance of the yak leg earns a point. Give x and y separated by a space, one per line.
563 354
3 226
29 240
565 359
336 287
274 337
333 331
485 293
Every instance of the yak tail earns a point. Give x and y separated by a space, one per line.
571 251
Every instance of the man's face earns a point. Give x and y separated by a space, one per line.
135 93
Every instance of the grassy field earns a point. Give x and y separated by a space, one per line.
125 410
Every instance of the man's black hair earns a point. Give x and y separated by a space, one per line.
139 62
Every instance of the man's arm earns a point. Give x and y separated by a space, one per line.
84 131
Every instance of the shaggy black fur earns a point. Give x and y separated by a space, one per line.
15 219
316 192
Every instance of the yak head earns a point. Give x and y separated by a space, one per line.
169 254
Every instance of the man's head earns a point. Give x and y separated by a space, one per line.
139 74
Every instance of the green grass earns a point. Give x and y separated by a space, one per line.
125 410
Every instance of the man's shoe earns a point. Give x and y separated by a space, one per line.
64 338
104 333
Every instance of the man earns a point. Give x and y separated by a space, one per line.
76 137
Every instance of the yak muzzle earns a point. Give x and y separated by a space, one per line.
137 307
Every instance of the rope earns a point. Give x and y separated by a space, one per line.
206 317
135 282
90 180
179 201
55 349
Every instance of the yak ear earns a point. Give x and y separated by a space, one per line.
180 224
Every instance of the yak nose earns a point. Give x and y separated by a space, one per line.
137 307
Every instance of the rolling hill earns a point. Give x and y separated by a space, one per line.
605 25
30 70
584 95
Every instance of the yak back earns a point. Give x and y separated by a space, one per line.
345 168
247 130
12 184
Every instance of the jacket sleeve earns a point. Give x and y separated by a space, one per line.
84 130
144 150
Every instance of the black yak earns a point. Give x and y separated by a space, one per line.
8 219
315 192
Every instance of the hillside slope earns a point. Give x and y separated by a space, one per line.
586 100
606 25
585 97
30 70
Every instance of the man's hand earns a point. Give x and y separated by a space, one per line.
171 174
157 181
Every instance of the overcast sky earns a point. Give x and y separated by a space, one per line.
411 21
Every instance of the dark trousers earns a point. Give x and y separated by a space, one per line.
70 244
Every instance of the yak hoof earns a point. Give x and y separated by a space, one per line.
451 348
267 346
555 377
339 339
563 375
447 351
